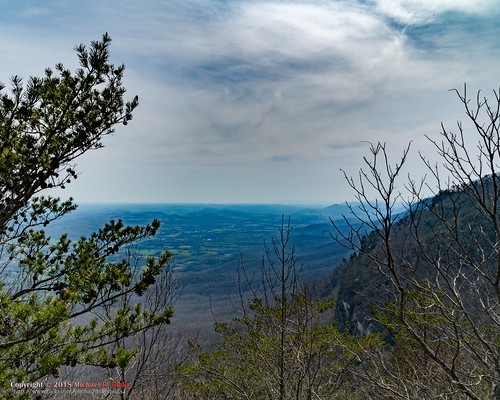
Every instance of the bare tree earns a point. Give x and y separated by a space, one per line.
149 361
143 365
442 260
277 348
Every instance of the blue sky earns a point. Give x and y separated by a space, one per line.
257 101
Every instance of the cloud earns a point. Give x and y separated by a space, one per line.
256 83
278 77
424 11
275 42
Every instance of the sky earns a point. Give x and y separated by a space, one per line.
246 101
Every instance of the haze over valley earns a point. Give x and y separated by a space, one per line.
208 242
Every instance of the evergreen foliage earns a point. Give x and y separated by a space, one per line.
49 286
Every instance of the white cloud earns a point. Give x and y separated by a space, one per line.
423 11
276 79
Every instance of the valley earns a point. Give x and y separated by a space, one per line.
209 241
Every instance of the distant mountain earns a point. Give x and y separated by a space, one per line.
339 209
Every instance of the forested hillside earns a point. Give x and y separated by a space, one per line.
451 228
